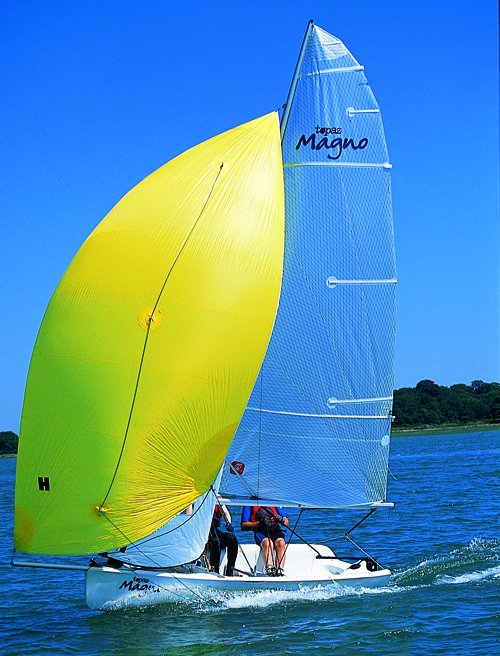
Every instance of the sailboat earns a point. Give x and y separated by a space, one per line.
236 304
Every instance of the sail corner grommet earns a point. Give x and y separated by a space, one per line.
102 510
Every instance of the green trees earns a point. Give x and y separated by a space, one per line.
8 443
431 404
426 404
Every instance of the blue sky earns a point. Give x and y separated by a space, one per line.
96 95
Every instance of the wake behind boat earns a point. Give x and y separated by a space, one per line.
239 302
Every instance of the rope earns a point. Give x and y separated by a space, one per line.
363 551
175 528
360 522
302 539
291 533
159 567
134 397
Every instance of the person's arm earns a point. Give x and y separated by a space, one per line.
246 524
226 513
249 526
285 518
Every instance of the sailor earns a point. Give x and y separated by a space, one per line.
266 522
222 536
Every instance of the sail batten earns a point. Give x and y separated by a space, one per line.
359 165
328 71
320 416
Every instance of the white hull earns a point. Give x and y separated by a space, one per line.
110 588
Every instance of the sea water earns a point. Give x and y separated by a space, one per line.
441 541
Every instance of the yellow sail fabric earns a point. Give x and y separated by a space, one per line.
150 347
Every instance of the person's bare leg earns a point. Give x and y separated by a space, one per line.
267 552
280 547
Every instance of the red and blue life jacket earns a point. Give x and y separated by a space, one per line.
258 513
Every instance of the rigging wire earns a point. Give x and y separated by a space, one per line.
293 532
347 534
259 444
390 472
191 590
148 329
372 510
291 535
175 528
136 389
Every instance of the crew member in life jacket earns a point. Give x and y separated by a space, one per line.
222 536
266 522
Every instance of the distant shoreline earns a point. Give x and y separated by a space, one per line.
408 432
444 429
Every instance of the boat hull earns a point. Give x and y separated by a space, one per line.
111 588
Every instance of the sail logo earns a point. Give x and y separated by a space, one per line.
337 144
327 131
237 468
44 484
140 585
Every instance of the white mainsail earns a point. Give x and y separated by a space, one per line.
316 430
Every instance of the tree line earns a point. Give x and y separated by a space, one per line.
426 404
8 443
429 404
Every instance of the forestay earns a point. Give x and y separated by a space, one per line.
316 430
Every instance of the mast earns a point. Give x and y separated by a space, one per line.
295 79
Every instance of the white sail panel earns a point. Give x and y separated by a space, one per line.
181 540
316 429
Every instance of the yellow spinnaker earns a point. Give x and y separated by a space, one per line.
150 347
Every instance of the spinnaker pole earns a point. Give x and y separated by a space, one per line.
295 79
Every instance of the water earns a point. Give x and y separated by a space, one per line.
442 542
